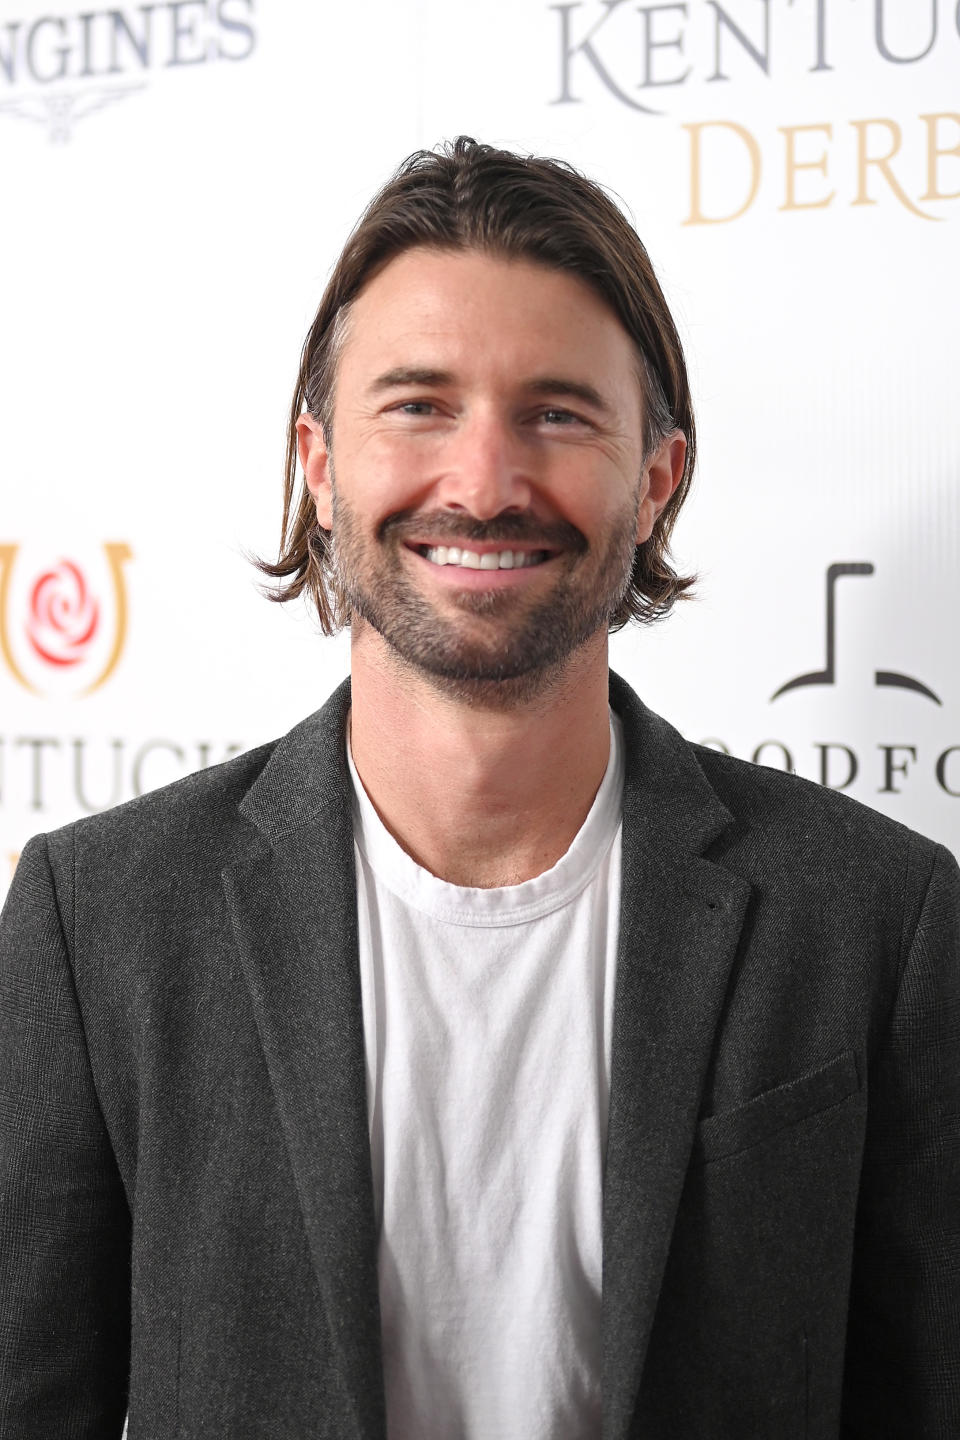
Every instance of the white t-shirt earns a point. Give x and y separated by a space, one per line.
487 1024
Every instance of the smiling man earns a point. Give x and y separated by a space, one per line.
482 1061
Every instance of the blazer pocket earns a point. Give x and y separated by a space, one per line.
778 1109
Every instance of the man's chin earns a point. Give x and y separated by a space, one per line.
470 657
484 679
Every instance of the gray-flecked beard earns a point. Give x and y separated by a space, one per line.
525 645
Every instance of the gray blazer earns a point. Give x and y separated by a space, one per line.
186 1212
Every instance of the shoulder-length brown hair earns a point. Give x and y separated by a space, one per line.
462 196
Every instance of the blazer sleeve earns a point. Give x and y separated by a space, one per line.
64 1219
903 1358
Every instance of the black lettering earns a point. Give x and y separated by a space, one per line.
942 769
761 57
180 31
880 28
140 44
237 27
63 51
79 787
150 748
38 745
852 765
676 43
766 744
8 59
891 768
585 47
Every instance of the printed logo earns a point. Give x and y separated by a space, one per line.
57 69
875 751
63 615
827 676
667 60
61 111
55 635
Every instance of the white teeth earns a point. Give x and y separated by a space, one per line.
489 560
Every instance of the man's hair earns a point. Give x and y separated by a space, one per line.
468 196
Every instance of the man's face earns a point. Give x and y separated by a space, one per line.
489 485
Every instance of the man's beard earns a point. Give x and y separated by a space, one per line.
520 647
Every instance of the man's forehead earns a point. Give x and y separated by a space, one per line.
426 302
456 271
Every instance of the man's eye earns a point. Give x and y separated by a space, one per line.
560 417
415 407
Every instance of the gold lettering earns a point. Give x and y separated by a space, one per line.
790 133
697 216
882 163
934 153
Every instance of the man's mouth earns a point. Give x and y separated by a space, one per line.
486 560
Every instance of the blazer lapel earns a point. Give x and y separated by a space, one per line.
681 917
292 902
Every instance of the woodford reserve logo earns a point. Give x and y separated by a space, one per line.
61 633
57 69
667 59
920 750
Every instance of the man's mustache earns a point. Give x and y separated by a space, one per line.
451 526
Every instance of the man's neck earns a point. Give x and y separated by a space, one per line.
479 795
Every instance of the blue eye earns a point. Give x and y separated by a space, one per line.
416 407
560 417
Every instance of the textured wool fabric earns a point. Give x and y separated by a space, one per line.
186 1200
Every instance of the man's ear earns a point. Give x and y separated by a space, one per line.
662 473
315 459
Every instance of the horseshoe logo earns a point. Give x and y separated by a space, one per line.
64 617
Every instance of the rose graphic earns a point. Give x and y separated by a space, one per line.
63 615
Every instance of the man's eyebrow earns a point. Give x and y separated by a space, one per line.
545 385
410 375
575 389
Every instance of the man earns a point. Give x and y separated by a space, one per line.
481 1060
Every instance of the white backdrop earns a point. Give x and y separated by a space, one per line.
177 181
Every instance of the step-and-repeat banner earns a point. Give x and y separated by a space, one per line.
178 178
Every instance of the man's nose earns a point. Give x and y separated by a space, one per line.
487 468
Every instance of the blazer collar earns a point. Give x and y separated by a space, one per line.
680 921
293 904
307 775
